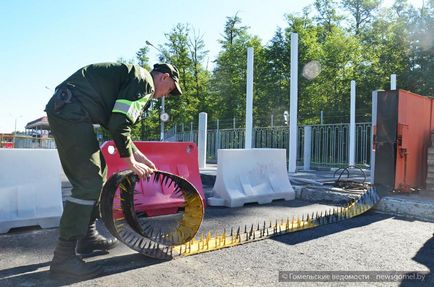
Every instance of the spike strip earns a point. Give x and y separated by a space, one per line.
365 202
149 240
164 248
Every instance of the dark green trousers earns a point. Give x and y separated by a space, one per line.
83 164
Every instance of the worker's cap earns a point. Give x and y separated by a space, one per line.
174 74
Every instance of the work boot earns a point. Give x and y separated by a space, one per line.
66 263
94 242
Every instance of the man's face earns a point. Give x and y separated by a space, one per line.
164 85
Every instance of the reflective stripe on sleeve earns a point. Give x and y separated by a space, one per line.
130 109
80 201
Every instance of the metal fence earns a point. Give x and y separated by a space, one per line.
29 141
329 143
329 146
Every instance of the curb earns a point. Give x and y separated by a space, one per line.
406 207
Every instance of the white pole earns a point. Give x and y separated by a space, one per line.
307 147
217 142
161 122
393 82
373 128
293 105
201 139
352 147
249 99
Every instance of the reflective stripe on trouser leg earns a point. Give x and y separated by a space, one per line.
75 220
84 165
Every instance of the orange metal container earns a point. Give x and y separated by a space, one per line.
403 134
413 140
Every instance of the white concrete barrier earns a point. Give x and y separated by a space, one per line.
30 188
251 175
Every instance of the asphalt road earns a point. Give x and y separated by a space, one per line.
371 242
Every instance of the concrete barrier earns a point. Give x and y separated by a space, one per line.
251 175
30 188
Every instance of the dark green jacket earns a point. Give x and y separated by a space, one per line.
114 95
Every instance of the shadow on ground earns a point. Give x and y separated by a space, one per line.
424 256
26 275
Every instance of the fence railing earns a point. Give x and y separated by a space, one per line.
28 141
329 142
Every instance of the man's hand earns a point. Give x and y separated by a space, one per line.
140 157
140 164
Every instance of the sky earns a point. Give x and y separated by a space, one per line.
45 41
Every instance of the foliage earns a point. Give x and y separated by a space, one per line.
350 39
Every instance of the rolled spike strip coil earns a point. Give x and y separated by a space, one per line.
124 223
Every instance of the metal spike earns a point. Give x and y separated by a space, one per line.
257 229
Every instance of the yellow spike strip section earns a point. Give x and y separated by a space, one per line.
207 243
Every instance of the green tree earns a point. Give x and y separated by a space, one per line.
200 75
418 76
327 14
363 12
229 76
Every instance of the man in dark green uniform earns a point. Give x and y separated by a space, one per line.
113 95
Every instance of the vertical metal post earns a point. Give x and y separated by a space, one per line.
183 132
201 140
322 118
161 122
293 105
217 145
352 145
373 131
393 82
307 147
249 99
